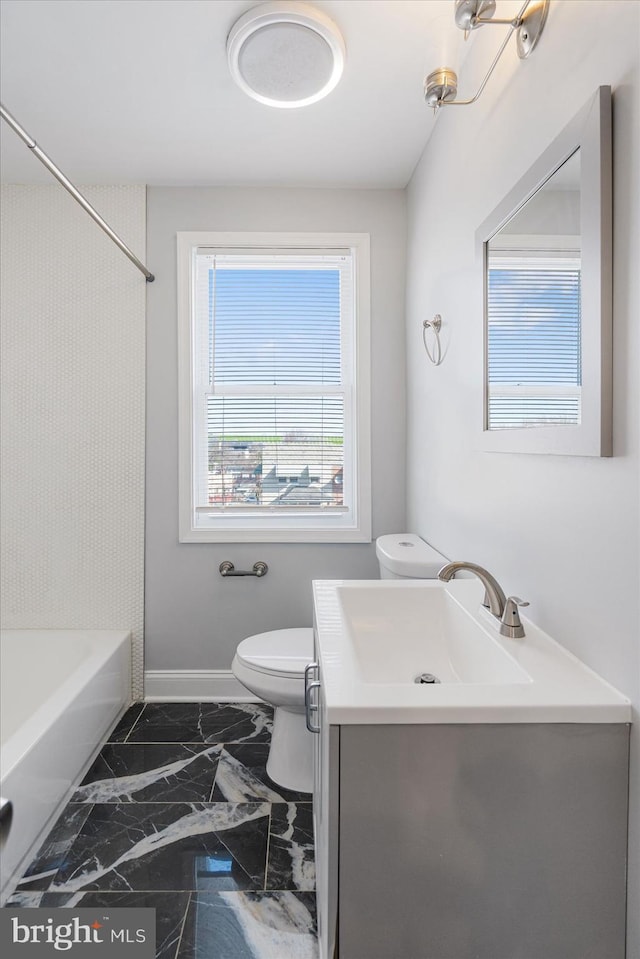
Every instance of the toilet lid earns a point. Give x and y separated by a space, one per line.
284 652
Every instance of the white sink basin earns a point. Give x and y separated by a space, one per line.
374 637
398 634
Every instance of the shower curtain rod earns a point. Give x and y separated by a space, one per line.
75 193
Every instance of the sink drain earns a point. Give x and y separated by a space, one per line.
427 679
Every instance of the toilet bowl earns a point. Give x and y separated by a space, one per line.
271 665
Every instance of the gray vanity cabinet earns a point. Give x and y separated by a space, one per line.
503 841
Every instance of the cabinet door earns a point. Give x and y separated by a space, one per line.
483 841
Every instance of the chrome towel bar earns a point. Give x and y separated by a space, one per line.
228 569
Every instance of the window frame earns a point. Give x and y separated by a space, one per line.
306 526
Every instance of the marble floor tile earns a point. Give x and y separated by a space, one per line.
126 724
242 776
162 846
250 925
150 772
203 723
291 862
178 813
53 851
170 909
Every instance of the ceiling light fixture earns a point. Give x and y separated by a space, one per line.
441 86
285 54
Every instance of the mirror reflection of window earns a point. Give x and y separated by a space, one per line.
534 360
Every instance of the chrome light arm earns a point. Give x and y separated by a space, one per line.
470 14
441 85
463 103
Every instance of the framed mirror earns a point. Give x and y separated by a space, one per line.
547 281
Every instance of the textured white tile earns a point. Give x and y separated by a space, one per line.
73 375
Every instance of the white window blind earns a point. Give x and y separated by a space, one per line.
274 393
533 341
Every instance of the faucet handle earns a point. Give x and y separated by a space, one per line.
510 624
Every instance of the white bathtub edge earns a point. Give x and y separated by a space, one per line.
59 756
18 871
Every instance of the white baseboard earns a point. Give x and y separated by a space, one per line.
195 685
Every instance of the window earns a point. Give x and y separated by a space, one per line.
535 362
274 387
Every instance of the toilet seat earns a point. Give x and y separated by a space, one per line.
279 652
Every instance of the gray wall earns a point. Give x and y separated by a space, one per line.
193 618
562 532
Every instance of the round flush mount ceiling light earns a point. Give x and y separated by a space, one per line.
285 54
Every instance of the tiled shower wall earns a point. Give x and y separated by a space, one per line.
73 375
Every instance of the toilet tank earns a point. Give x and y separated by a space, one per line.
407 556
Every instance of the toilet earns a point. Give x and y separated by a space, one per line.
271 665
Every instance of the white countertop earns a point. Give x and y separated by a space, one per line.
553 685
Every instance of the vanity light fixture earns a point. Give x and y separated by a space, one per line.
285 54
441 85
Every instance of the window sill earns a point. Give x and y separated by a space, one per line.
332 526
275 536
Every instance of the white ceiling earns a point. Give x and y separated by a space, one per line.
120 91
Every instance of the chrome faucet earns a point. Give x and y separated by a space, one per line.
494 598
505 610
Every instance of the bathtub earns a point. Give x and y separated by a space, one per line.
61 691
